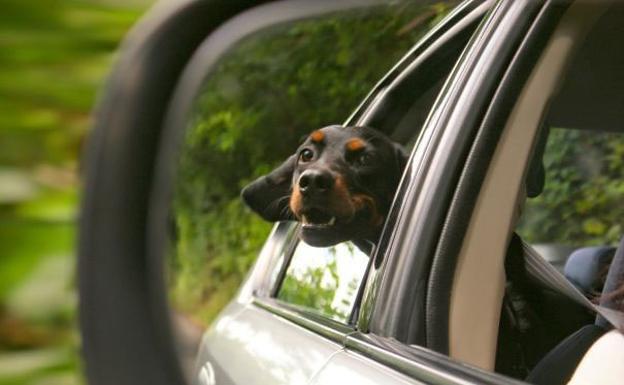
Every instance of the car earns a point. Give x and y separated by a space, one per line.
513 113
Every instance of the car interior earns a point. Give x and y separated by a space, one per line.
532 331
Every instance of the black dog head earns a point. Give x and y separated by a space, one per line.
339 185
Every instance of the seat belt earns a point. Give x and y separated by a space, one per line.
550 277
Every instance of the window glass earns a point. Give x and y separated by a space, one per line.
574 224
280 246
324 280
582 201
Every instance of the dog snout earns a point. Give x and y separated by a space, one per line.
315 182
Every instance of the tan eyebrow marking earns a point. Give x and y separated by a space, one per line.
355 144
317 136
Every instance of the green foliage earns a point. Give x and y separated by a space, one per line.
315 290
200 285
54 58
583 199
24 242
259 101
324 279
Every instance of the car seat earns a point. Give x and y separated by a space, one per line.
586 268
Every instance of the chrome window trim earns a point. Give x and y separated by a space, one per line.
420 363
414 361
316 323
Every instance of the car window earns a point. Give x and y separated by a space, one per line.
574 218
581 205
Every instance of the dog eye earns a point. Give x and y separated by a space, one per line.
306 155
363 159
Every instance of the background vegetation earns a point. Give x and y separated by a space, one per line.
54 56
583 199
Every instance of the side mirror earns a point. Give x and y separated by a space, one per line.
125 327
132 163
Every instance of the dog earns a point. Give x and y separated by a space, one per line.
339 184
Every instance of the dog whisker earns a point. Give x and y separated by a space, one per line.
284 211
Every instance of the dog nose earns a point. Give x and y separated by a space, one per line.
315 181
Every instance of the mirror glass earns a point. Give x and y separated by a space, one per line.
270 90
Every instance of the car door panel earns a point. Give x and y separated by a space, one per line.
349 367
249 345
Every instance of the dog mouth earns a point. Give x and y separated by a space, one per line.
324 228
315 218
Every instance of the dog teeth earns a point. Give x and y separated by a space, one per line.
306 222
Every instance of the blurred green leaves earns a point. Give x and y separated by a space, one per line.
54 56
582 203
315 290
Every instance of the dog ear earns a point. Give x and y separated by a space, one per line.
269 195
